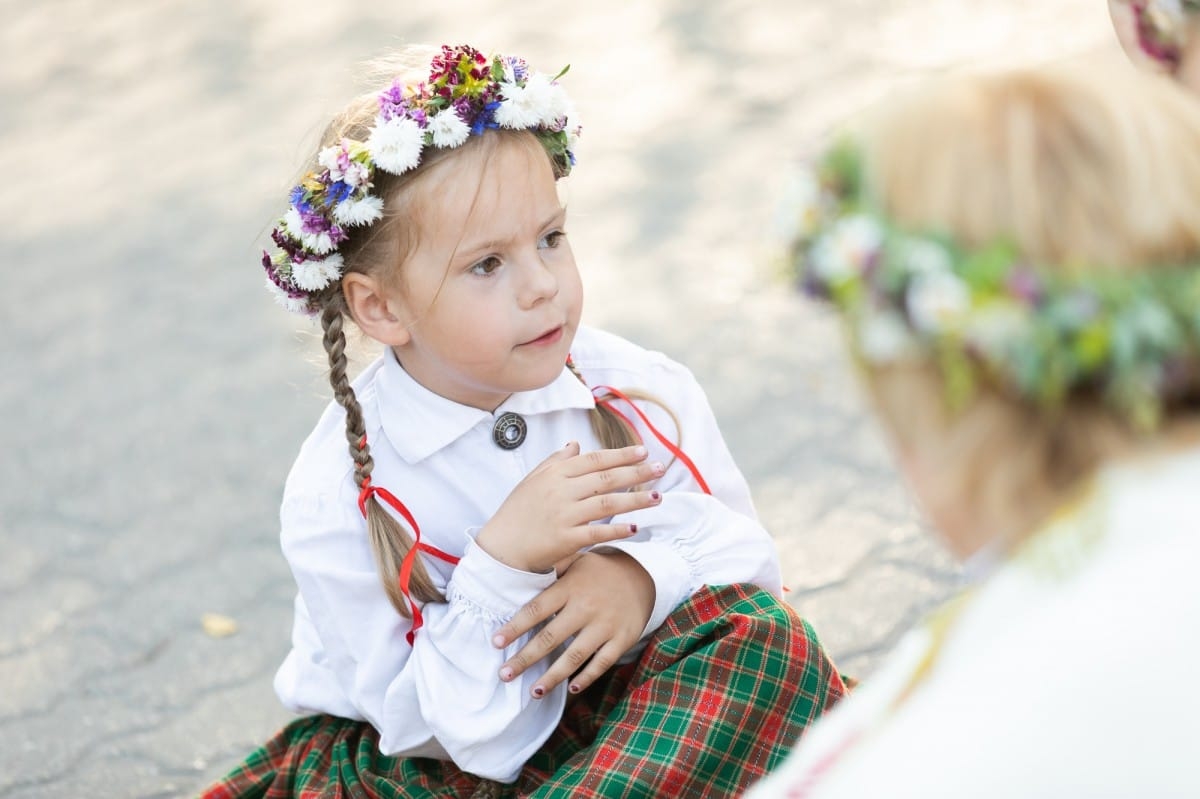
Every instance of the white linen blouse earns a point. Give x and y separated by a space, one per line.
1068 672
441 696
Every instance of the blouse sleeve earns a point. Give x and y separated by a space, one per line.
693 539
442 694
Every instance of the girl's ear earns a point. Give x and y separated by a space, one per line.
377 312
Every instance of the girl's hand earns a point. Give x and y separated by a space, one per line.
548 516
604 600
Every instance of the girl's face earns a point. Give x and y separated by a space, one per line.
490 295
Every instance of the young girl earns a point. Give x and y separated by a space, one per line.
484 532
1017 259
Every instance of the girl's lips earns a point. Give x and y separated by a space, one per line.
548 337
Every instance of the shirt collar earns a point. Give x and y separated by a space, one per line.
419 423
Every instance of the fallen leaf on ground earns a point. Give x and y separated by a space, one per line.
217 626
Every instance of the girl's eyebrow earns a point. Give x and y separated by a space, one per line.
493 244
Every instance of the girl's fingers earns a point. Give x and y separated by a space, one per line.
601 459
618 478
539 646
537 610
569 662
604 659
607 505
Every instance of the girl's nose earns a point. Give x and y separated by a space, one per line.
539 283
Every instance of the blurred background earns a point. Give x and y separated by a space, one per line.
155 396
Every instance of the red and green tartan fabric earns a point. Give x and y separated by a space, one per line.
721 694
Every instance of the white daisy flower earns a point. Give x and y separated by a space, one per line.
363 211
320 243
395 145
922 255
885 338
937 301
294 224
997 327
800 208
293 304
329 158
448 129
315 275
553 101
847 248
519 108
573 127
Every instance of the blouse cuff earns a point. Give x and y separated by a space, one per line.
490 585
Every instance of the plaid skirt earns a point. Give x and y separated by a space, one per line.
720 695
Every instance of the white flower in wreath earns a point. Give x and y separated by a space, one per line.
884 338
800 207
937 301
356 175
293 223
314 275
289 303
395 145
847 248
921 256
553 100
521 107
363 211
997 328
329 158
448 129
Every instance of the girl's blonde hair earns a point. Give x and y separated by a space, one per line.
1080 168
379 249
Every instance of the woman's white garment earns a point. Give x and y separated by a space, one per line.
1069 672
442 697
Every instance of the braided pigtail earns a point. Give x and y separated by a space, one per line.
611 428
390 542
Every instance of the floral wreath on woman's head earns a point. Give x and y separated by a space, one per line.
989 314
467 93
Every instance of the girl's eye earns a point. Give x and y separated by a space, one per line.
551 240
486 267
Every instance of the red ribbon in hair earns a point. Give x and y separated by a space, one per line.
666 442
410 557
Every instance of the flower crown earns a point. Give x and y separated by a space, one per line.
466 94
988 314
1162 27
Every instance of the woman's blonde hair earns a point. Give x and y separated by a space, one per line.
1082 166
379 249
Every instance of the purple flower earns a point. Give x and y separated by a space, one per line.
392 103
1023 284
313 222
293 248
273 276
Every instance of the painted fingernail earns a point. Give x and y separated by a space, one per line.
632 529
498 641
658 468
506 673
574 688
655 496
538 692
